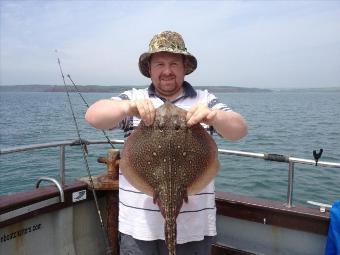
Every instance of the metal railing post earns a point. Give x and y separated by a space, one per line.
290 184
62 165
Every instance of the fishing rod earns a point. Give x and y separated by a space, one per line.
107 244
87 105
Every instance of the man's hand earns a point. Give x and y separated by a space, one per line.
228 124
144 109
200 113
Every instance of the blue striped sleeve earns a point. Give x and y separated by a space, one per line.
215 103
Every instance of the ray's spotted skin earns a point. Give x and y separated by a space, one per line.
169 161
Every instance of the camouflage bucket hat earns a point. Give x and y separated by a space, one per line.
167 41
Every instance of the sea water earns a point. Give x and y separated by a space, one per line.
280 122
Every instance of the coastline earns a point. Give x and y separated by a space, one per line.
110 89
120 88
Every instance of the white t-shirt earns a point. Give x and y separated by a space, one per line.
138 215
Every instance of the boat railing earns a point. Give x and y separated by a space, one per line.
291 161
55 182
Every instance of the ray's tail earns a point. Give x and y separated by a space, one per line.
170 230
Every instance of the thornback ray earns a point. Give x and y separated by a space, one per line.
169 161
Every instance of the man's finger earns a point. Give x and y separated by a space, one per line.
151 111
146 111
191 111
197 117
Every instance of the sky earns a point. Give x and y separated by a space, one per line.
262 44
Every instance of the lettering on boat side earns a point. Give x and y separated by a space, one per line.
24 231
78 195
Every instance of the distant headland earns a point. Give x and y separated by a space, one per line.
113 89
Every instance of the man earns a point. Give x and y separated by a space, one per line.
140 221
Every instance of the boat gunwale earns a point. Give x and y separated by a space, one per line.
236 206
271 212
19 200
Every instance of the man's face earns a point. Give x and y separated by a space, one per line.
167 73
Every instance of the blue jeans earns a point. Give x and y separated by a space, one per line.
131 246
